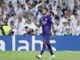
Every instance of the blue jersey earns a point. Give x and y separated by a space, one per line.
46 24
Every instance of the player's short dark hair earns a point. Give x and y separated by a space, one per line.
27 1
46 9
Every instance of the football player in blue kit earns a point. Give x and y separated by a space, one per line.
46 23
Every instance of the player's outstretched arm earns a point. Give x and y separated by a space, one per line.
38 25
52 30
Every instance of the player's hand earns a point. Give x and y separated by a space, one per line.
52 35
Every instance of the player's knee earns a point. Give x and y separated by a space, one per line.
43 49
44 43
48 43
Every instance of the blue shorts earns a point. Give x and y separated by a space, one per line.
46 37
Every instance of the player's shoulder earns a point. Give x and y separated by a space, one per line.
41 18
49 16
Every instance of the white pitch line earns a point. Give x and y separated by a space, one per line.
73 51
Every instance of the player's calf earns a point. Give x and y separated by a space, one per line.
50 49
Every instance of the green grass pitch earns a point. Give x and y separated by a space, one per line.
29 55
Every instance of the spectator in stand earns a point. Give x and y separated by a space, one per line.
57 26
64 18
1 20
78 11
59 11
19 26
28 31
68 32
63 27
77 31
18 9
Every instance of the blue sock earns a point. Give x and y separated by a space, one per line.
50 49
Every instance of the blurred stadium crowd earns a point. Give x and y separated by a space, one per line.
20 15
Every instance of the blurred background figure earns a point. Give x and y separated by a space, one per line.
68 32
5 29
28 31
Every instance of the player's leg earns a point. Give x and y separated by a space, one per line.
50 50
42 51
44 45
48 43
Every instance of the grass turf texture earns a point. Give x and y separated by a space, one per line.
29 55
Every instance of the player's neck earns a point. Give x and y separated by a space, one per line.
45 15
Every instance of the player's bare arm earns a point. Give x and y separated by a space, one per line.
52 30
38 25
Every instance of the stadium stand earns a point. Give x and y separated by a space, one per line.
20 15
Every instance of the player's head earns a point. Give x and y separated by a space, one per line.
44 11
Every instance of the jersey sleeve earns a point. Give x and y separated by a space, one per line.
50 20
